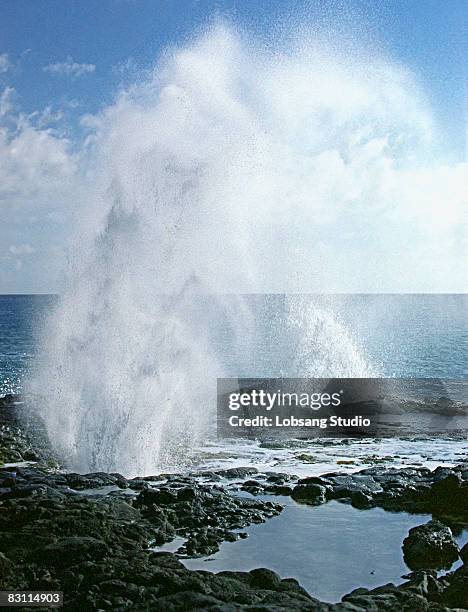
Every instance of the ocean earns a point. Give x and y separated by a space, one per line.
407 335
21 318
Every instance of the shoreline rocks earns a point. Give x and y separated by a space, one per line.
442 492
93 536
430 546
98 549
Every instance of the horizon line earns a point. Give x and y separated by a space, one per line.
325 293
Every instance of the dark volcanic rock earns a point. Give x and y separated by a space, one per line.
455 595
71 550
443 492
205 515
311 494
279 490
158 497
361 500
80 482
430 546
85 535
22 433
449 495
240 472
95 549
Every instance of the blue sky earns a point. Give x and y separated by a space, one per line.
60 60
428 36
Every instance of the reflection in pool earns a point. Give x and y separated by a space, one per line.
330 549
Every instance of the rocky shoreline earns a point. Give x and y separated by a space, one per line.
95 536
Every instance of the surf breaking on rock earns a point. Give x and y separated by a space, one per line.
223 187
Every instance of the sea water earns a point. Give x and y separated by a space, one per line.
404 335
330 549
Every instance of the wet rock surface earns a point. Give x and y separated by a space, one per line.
21 439
94 536
430 546
442 492
98 549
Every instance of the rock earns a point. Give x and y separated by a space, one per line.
204 542
7 570
186 494
455 595
119 480
30 455
158 497
98 548
424 582
181 602
138 484
25 490
7 478
449 496
69 551
5 563
389 600
253 490
251 483
441 472
239 472
446 485
314 480
205 515
311 494
278 478
346 485
264 578
361 500
279 490
14 456
430 546
94 480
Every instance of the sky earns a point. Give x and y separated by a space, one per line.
63 63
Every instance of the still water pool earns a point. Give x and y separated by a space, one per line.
330 549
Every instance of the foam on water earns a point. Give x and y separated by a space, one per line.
229 168
305 458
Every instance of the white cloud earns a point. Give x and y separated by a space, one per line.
5 63
47 117
329 160
21 249
69 68
6 104
34 164
37 193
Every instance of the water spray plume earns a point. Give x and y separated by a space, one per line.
228 170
